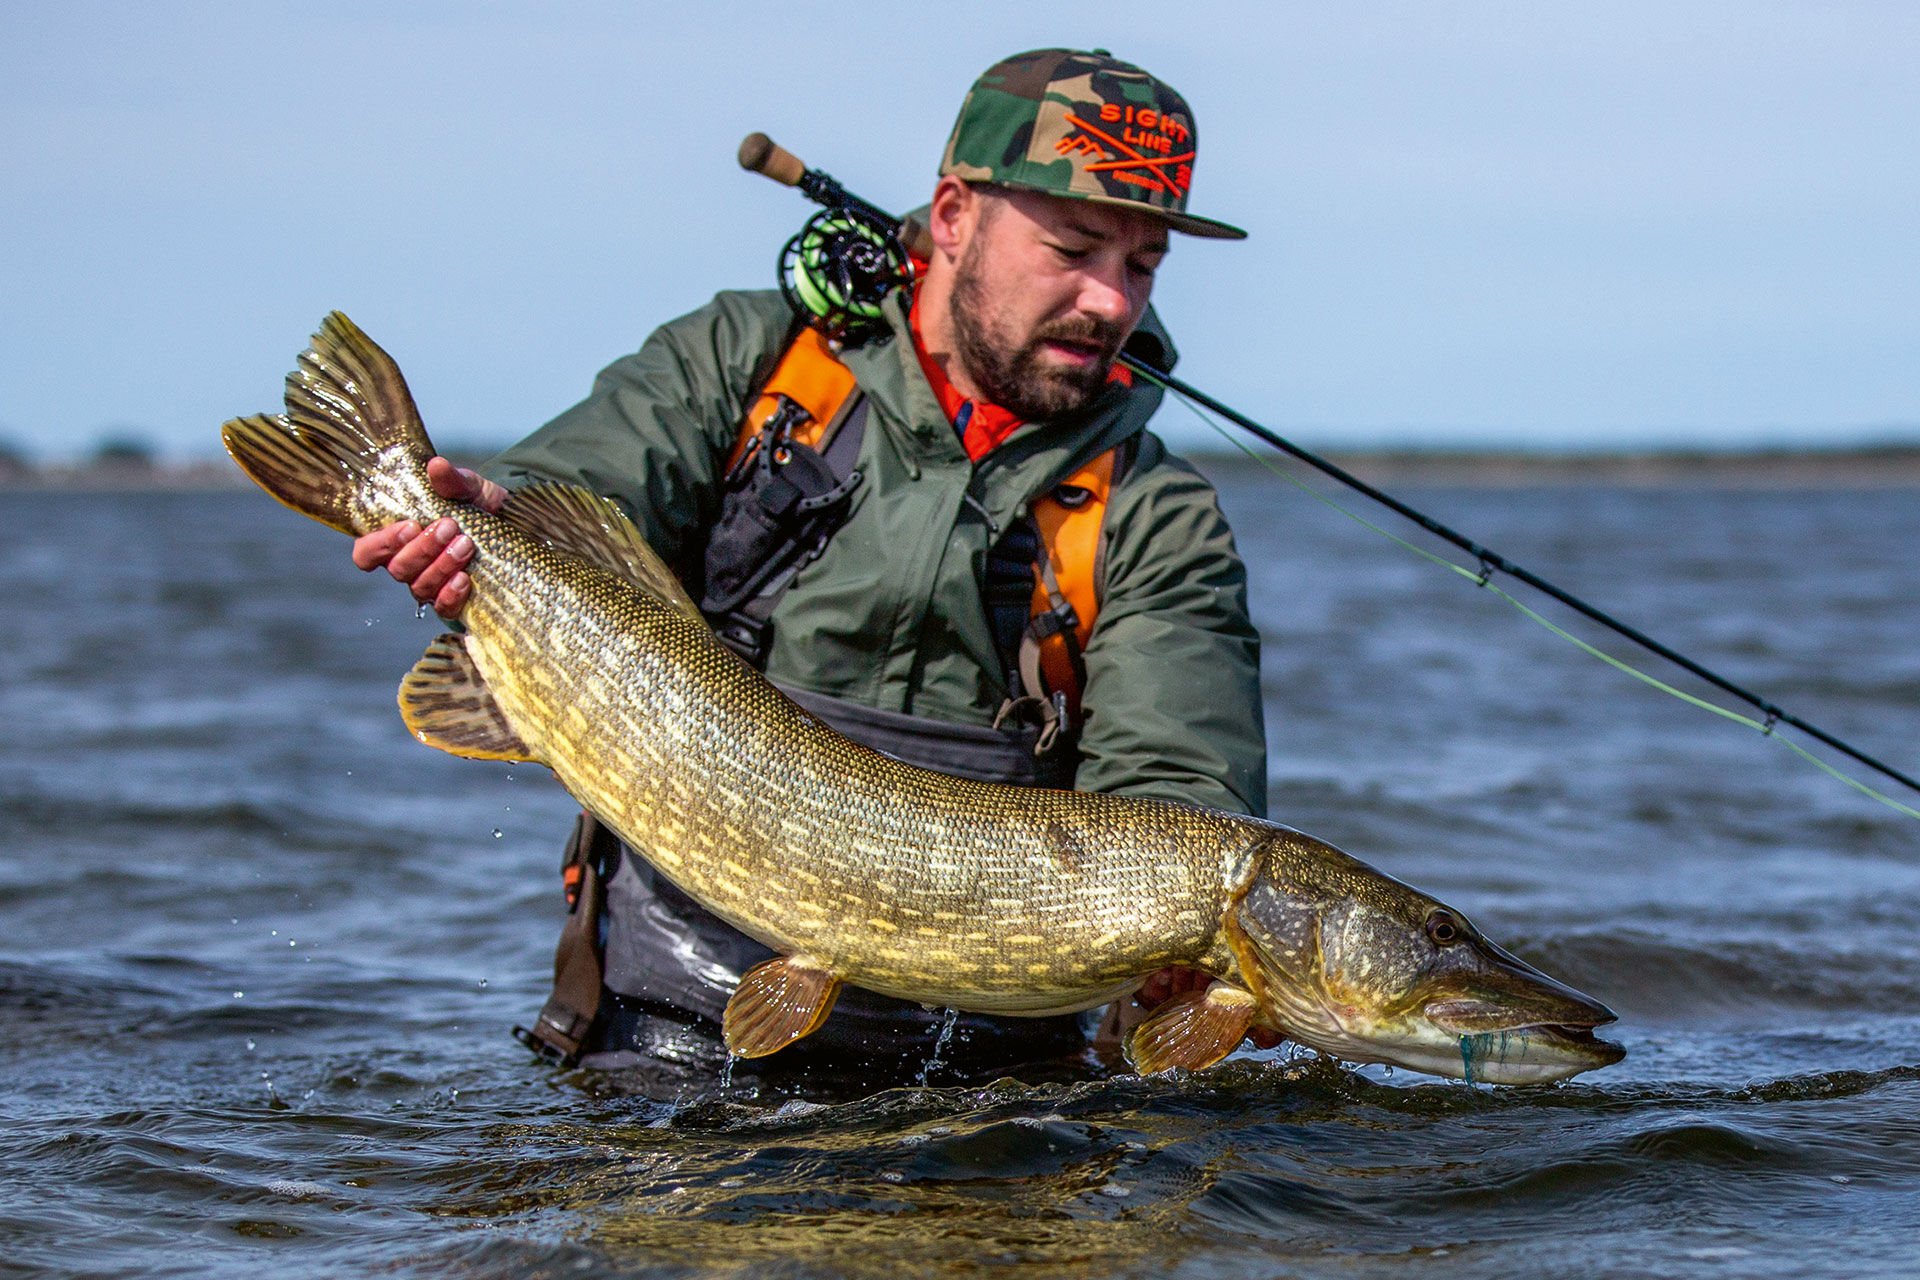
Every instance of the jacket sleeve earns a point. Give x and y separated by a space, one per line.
1172 697
657 426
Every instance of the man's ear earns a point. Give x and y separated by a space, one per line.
952 216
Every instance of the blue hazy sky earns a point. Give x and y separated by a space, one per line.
1527 223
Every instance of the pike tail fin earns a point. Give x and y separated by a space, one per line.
349 451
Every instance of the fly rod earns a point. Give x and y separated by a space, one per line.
760 154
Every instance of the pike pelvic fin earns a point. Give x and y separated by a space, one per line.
777 1002
349 450
1193 1031
446 704
578 523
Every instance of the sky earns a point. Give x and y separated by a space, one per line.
1554 225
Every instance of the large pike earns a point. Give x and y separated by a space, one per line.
583 653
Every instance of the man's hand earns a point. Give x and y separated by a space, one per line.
432 561
1164 984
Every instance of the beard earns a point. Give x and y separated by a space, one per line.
1014 374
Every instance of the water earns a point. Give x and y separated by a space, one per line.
260 950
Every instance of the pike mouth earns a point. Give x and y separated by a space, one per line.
1575 1037
1475 1022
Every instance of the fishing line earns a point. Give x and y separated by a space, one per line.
843 262
1483 578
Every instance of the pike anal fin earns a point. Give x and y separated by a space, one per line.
446 704
1194 1030
777 1002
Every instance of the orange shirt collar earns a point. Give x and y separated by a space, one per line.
987 426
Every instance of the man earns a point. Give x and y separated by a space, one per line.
967 438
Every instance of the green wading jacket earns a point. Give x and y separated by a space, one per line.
890 616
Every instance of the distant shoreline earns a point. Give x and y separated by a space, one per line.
1880 467
1869 467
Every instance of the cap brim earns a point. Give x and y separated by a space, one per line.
1205 228
1187 223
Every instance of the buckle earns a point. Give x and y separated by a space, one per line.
548 1042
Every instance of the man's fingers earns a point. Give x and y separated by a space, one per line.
428 583
372 550
453 597
450 481
413 558
1164 984
463 485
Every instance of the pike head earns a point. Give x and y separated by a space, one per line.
1364 968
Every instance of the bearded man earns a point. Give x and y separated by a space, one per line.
968 552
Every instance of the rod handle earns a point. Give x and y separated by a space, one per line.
761 154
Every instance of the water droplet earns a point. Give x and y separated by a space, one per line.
249 1046
292 943
497 833
238 994
1115 1190
933 1062
892 1175
371 621
420 611
483 984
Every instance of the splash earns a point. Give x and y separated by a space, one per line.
934 1059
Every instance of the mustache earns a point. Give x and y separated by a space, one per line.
1083 329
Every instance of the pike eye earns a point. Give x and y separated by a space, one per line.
1443 929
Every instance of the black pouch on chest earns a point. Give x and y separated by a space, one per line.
781 503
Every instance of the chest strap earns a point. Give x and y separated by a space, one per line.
787 487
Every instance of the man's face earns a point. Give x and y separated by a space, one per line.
1044 294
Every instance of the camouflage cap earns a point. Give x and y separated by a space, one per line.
1082 125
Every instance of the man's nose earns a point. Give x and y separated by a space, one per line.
1104 293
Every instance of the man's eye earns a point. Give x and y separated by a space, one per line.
1071 255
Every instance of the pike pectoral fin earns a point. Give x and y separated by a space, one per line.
777 1002
446 704
1193 1031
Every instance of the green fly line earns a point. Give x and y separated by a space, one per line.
1483 578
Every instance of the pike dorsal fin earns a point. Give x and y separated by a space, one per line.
595 531
1193 1031
777 1002
446 703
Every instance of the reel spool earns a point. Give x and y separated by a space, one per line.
839 269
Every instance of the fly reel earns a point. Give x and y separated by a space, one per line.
840 268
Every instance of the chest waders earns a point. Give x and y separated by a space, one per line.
636 955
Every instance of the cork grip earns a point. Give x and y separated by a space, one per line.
761 154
